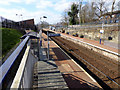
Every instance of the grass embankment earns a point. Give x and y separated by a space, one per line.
10 37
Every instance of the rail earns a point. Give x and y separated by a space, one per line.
89 44
6 66
97 69
94 46
92 66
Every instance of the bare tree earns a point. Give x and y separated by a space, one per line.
88 12
100 8
113 6
92 10
80 11
85 13
65 18
118 5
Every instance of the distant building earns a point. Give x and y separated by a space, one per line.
25 24
7 23
28 24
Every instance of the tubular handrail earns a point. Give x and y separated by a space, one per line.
5 67
17 80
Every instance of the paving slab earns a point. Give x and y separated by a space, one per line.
74 75
48 74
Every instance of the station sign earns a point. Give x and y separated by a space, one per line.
101 31
53 35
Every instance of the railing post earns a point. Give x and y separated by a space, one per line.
39 44
40 38
48 43
38 49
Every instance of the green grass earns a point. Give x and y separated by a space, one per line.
10 37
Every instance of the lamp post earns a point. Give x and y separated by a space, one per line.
44 23
40 26
47 39
40 33
19 15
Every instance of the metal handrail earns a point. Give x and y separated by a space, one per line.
17 80
5 67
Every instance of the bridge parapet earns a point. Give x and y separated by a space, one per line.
18 67
8 66
23 77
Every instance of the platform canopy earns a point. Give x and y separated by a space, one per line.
33 35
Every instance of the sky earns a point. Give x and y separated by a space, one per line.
30 9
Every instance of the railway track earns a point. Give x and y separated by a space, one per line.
101 66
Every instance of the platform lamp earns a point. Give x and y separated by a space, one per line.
44 17
19 17
47 39
40 32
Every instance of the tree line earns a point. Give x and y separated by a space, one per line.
85 12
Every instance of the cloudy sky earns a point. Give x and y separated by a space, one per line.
34 9
29 9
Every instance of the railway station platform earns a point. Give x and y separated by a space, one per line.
74 75
93 42
110 52
46 73
59 71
